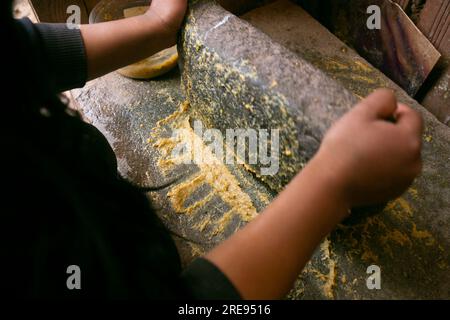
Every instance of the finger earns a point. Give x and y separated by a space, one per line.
409 119
381 104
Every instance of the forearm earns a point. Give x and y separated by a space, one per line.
264 259
115 44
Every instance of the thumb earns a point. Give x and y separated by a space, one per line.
409 119
381 104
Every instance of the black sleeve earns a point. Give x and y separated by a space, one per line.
62 54
204 281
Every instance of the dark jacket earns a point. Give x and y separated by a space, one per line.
63 202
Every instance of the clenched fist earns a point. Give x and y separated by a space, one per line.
374 151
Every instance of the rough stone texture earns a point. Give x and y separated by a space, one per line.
137 118
432 17
398 49
233 69
205 204
228 65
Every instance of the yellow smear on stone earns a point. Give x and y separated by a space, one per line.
329 279
181 193
400 207
357 76
287 152
422 235
386 234
249 107
179 114
403 210
335 65
362 78
397 237
223 222
368 255
164 143
212 172
263 197
203 224
364 66
297 292
233 81
273 84
414 193
196 250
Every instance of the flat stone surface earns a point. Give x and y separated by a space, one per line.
228 65
398 49
203 204
346 19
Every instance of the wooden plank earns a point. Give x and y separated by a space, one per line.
56 10
435 24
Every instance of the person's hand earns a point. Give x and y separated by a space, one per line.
170 13
374 150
